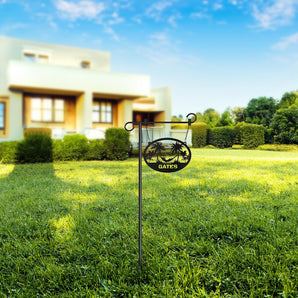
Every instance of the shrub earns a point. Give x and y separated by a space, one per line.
96 150
179 126
37 147
44 130
252 135
8 152
285 125
75 147
237 130
221 137
199 134
117 145
269 135
58 150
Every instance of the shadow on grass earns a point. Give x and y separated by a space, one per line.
58 236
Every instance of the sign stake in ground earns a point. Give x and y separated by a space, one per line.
163 155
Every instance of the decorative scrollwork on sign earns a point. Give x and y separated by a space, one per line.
167 155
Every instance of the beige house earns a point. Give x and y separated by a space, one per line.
71 90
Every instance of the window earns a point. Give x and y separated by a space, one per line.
141 116
43 59
102 112
29 57
33 57
85 64
2 115
47 109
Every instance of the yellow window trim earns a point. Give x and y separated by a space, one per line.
4 132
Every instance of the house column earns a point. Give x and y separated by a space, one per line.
124 112
84 111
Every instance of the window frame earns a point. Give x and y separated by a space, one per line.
4 115
53 109
5 129
85 64
101 103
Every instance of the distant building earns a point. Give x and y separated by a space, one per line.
71 90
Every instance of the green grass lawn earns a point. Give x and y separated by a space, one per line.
225 226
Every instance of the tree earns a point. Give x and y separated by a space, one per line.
225 119
284 124
199 117
238 115
288 99
260 110
175 119
211 117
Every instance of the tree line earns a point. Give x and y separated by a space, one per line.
278 117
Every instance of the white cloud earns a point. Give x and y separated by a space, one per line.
83 9
234 2
217 6
111 32
199 15
159 39
157 56
156 9
172 19
115 19
286 42
274 14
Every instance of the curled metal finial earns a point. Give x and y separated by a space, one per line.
193 119
125 126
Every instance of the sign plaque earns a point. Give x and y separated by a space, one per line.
167 155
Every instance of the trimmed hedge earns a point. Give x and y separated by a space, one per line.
252 135
221 137
8 151
117 145
199 134
237 130
96 150
179 126
44 130
37 147
75 147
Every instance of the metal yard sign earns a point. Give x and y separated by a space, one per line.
163 155
167 155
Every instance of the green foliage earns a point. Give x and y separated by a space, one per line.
96 150
237 130
179 126
8 152
269 135
284 124
35 148
238 114
211 117
279 147
117 144
221 137
288 99
199 134
75 147
260 111
225 227
252 135
44 130
225 119
58 150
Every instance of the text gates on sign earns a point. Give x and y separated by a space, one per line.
167 155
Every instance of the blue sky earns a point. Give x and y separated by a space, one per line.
217 54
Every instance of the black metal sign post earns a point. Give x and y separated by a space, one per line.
160 163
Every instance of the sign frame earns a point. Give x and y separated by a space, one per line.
191 119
